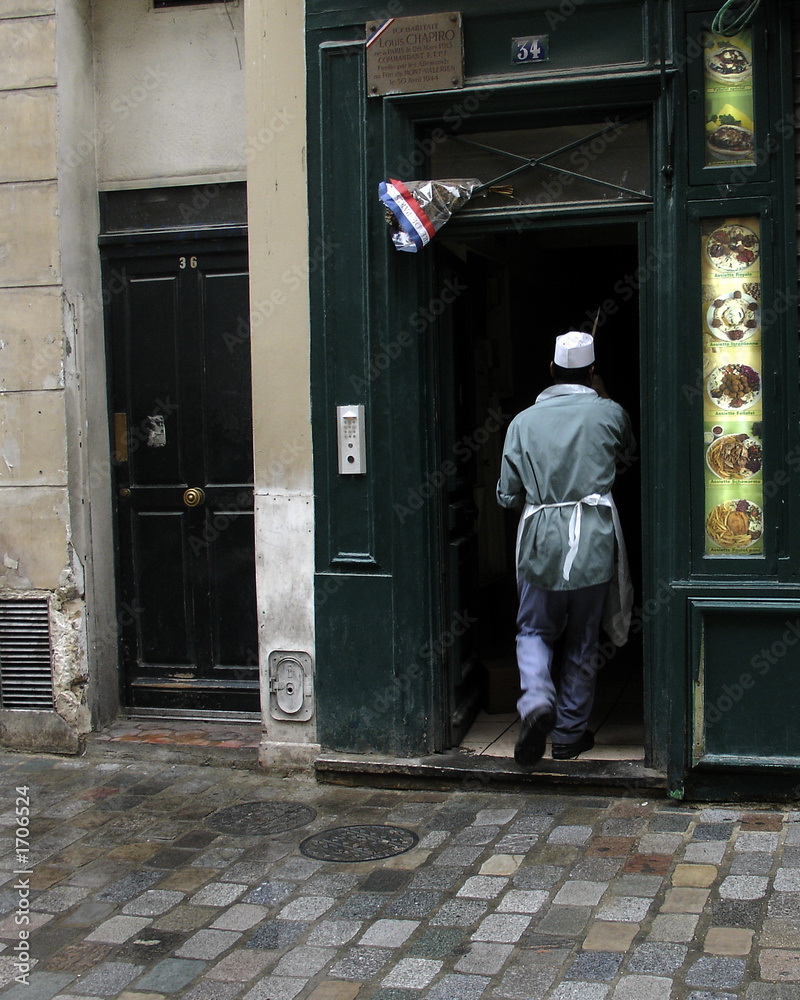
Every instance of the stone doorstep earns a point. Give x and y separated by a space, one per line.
477 772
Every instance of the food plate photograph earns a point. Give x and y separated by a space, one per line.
734 387
735 524
734 456
734 317
732 247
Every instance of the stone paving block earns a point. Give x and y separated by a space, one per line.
77 958
712 995
335 991
779 932
59 899
304 960
522 983
439 877
460 857
240 917
212 991
642 988
723 972
502 927
385 880
458 913
657 959
756 841
592 966
494 817
500 864
751 863
306 908
117 930
438 942
664 822
568 921
787 880
712 814
784 904
461 986
334 933
516 843
388 933
638 885
360 964
697 876
708 852
728 941
277 934
648 864
736 913
597 869
269 893
577 834
240 966
679 927
626 908
769 991
413 973
792 835
182 918
276 988
217 894
580 991
414 903
109 978
659 843
779 965
484 958
128 886
522 901
713 831
537 876
791 857
40 986
207 944
743 887
482 887
150 944
187 879
298 869
153 903
684 901
622 827
610 935
580 893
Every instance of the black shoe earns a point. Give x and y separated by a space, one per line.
533 737
569 751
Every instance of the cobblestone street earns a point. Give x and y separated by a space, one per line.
152 879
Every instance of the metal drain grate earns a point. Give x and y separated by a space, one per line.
26 675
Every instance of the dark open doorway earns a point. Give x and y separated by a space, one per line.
518 290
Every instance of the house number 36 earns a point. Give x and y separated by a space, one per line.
182 262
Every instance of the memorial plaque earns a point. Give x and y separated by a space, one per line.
407 55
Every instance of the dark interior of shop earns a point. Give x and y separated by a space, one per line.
521 290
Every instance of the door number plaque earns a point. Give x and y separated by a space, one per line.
531 48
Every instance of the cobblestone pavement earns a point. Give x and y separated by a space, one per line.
144 886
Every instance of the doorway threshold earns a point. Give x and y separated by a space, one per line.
465 771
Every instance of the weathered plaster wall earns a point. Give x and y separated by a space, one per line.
170 92
278 225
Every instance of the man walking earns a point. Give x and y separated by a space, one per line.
559 464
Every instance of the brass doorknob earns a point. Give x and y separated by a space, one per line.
194 496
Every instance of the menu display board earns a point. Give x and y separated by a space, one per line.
731 320
728 76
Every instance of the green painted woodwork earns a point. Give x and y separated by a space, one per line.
382 583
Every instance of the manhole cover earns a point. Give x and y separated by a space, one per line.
251 819
358 843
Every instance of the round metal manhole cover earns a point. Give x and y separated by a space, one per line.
252 819
358 843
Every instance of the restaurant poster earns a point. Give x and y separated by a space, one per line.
728 80
732 390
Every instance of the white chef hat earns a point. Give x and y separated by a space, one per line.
574 350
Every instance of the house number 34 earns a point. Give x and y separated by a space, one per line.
182 262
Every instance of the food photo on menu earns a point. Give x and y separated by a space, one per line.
735 524
730 130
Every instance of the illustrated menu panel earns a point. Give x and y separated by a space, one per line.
732 366
728 66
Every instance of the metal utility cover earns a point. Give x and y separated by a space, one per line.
408 55
358 843
256 819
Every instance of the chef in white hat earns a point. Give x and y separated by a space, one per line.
559 464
